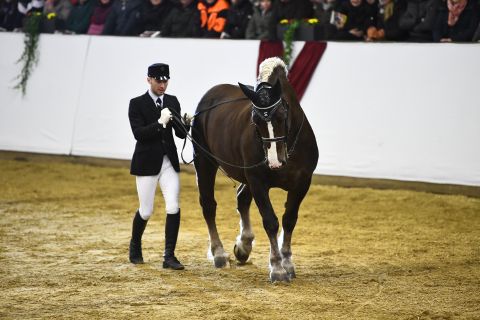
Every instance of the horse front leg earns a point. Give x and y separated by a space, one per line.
243 246
270 224
289 220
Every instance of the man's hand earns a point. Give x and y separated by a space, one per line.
356 32
165 117
187 119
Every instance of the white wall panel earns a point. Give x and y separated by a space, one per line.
41 121
116 72
398 111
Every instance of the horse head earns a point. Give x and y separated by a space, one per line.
270 116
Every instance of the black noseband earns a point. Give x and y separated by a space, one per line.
266 114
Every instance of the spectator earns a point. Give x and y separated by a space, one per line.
322 10
10 18
26 7
456 21
213 14
183 21
124 18
372 12
262 25
99 17
79 18
293 9
387 27
476 37
61 10
351 19
238 15
154 14
418 19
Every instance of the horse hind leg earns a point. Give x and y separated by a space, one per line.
243 246
206 172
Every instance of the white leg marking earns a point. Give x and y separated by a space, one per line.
239 240
209 250
280 240
272 151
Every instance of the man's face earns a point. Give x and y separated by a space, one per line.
158 86
185 3
265 5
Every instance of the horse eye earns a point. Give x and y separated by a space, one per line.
283 112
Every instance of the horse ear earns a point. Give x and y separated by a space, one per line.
248 92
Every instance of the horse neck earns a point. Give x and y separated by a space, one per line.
295 111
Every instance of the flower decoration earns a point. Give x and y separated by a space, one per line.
288 39
29 57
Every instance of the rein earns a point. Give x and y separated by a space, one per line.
178 120
219 104
193 141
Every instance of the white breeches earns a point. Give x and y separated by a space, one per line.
169 182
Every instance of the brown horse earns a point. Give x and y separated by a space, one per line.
263 142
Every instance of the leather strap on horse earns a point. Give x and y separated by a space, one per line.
202 111
208 153
180 123
219 104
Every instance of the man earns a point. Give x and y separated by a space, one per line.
183 21
155 160
124 19
262 25
213 14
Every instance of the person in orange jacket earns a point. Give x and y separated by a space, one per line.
213 14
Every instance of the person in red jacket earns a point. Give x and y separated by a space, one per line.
213 17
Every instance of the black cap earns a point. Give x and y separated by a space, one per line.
159 71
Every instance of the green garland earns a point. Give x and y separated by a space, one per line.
288 39
29 56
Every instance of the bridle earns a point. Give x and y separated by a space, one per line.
266 114
270 111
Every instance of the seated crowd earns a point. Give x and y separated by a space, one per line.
361 20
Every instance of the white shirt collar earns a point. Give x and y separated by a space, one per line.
154 96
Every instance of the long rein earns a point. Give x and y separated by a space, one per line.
178 119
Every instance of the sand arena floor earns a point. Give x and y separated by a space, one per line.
359 253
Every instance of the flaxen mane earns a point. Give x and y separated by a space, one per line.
272 69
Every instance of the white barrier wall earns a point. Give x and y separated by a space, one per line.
398 111
43 120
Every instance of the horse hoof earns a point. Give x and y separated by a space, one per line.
290 271
220 262
279 277
241 255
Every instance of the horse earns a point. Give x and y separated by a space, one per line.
262 139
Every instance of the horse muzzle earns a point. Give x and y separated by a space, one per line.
276 165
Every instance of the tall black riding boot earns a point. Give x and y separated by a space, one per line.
171 234
136 242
